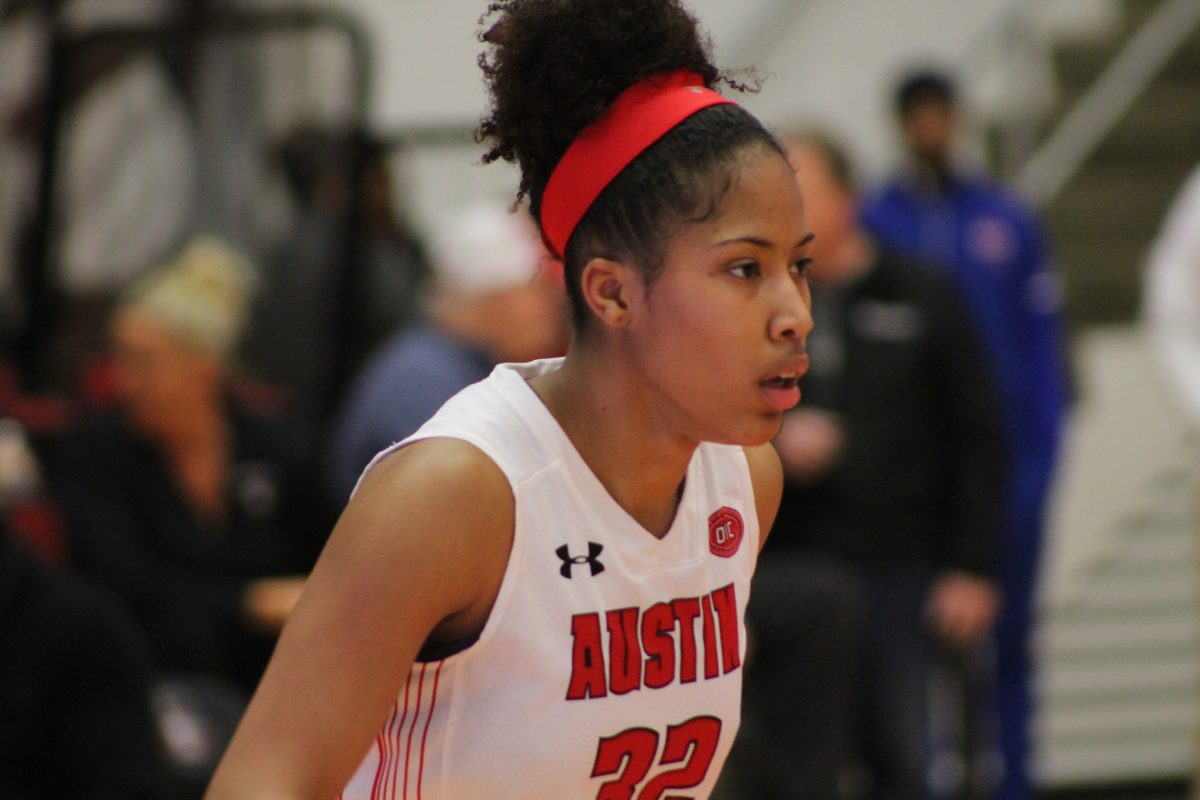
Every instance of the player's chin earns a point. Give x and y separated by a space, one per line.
756 430
769 429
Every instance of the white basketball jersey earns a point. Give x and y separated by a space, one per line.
610 666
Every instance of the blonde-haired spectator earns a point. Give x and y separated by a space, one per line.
202 296
190 506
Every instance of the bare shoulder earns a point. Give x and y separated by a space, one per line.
422 547
433 477
439 503
419 553
766 473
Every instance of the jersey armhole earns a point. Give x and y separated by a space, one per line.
439 651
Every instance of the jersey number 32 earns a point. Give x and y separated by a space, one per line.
631 754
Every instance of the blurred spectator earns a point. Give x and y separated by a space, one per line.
27 511
486 304
801 700
75 690
296 339
893 469
125 196
186 504
991 244
1172 296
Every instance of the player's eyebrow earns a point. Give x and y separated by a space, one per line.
758 241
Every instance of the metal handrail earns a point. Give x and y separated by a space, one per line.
1059 158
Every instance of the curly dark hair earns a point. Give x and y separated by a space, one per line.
554 66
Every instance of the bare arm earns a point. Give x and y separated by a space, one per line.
421 549
766 473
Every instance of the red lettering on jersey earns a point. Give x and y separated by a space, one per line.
686 610
658 622
641 645
711 668
727 615
624 651
587 658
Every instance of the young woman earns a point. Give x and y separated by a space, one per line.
540 594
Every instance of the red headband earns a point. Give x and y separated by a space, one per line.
638 118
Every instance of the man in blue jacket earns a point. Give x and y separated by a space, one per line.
991 244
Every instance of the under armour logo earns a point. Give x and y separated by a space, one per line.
592 559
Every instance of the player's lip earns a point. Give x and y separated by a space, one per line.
786 373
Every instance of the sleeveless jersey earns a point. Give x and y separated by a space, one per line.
610 665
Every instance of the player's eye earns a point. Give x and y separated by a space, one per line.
745 270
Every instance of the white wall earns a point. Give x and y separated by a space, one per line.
831 62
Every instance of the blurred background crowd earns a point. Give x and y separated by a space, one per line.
246 244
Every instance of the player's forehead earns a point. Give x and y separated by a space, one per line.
760 200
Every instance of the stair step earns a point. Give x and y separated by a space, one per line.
1076 72
1163 123
1102 279
1077 64
1126 197
1104 221
1185 63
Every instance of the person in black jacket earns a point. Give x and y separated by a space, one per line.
885 545
186 503
75 690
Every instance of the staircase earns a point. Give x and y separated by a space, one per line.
1119 637
1105 218
1118 644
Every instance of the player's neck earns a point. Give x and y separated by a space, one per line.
641 467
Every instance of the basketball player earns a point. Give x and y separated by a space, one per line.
540 593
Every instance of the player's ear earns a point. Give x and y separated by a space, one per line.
607 287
